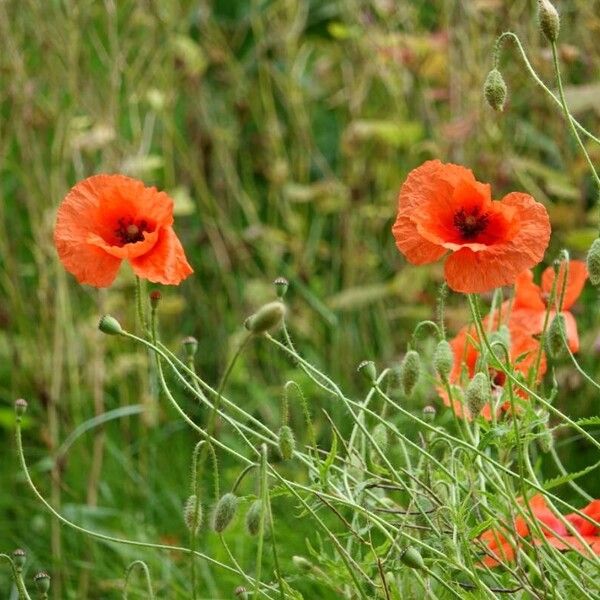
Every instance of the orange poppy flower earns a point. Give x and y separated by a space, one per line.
106 219
531 301
442 208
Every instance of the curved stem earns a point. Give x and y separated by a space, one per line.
144 567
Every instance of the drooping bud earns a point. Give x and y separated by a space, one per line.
443 360
241 592
593 262
429 413
302 564
412 558
546 440
19 558
192 514
477 394
42 582
410 369
287 442
110 326
367 369
549 20
224 512
555 336
20 407
494 90
155 297
190 346
266 318
253 517
281 286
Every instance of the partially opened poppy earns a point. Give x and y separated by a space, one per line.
106 219
442 208
531 301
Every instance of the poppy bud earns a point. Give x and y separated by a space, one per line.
412 558
190 346
287 443
546 441
429 413
549 20
367 369
593 262
241 592
494 90
302 564
443 360
224 512
20 407
19 558
192 514
155 297
42 582
110 326
410 369
265 318
555 336
253 517
477 394
281 286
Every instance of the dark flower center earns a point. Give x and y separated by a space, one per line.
470 224
130 232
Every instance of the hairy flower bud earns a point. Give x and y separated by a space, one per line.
281 286
19 558
241 592
412 558
494 90
593 262
429 413
410 369
477 394
443 360
20 407
155 297
110 326
549 20
190 346
253 517
302 564
555 336
42 582
546 440
267 317
287 443
367 369
224 512
192 514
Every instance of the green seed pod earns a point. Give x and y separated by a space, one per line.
302 564
287 443
412 558
192 514
546 441
253 517
494 90
42 582
593 262
555 336
281 286
266 318
19 558
477 394
410 369
224 512
110 326
429 413
367 369
443 360
549 20
20 407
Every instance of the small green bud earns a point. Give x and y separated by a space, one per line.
593 262
546 441
367 369
224 512
253 517
110 326
266 318
494 90
20 407
549 20
410 369
192 514
555 336
155 297
302 564
429 413
443 360
281 286
412 558
241 592
42 582
477 394
287 443
19 558
190 346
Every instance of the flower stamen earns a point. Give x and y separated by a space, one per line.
129 232
470 225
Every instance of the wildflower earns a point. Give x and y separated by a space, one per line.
106 219
531 301
441 208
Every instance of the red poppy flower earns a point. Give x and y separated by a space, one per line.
531 301
442 208
106 219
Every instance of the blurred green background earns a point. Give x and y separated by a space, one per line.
283 130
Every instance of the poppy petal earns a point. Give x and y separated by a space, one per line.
575 282
527 293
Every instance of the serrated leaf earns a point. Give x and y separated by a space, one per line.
478 529
588 421
324 470
556 481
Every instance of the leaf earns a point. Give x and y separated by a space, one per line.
478 529
588 421
556 481
324 470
